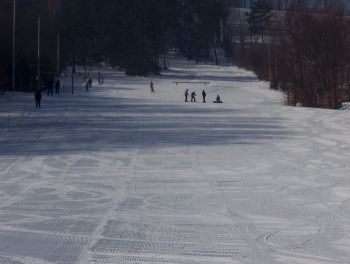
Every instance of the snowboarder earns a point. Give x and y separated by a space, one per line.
193 97
152 87
186 95
37 99
57 86
204 94
218 100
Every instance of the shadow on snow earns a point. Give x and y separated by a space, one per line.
88 123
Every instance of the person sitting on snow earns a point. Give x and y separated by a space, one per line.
218 100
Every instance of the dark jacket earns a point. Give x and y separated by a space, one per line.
58 84
38 95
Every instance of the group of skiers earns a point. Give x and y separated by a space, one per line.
50 86
204 95
57 86
88 85
193 95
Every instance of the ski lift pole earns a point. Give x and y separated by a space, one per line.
58 54
73 71
14 49
38 77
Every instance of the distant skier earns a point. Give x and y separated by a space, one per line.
100 78
152 87
186 95
88 85
37 99
57 87
204 94
193 97
50 87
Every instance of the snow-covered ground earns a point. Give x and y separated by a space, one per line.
120 175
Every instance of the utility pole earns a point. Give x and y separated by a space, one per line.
73 69
14 49
270 74
38 54
58 54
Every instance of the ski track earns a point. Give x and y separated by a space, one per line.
120 175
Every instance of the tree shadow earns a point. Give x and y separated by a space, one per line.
90 123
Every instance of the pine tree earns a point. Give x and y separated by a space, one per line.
258 17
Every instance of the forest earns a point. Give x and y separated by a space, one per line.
132 35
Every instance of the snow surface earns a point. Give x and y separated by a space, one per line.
120 175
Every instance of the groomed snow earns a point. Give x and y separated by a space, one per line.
120 175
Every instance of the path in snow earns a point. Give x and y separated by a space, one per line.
119 175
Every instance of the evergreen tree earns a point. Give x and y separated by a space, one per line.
258 17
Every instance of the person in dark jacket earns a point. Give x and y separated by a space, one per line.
50 87
193 97
100 78
90 83
37 99
218 100
87 86
152 87
186 95
57 86
204 94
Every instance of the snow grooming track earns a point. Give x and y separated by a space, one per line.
6 126
119 175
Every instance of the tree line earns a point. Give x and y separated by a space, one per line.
305 52
134 35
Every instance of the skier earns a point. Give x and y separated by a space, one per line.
50 87
90 83
37 99
152 87
57 86
204 94
87 86
100 79
193 97
186 95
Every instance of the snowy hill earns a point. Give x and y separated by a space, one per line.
120 175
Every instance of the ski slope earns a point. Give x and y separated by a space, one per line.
120 175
